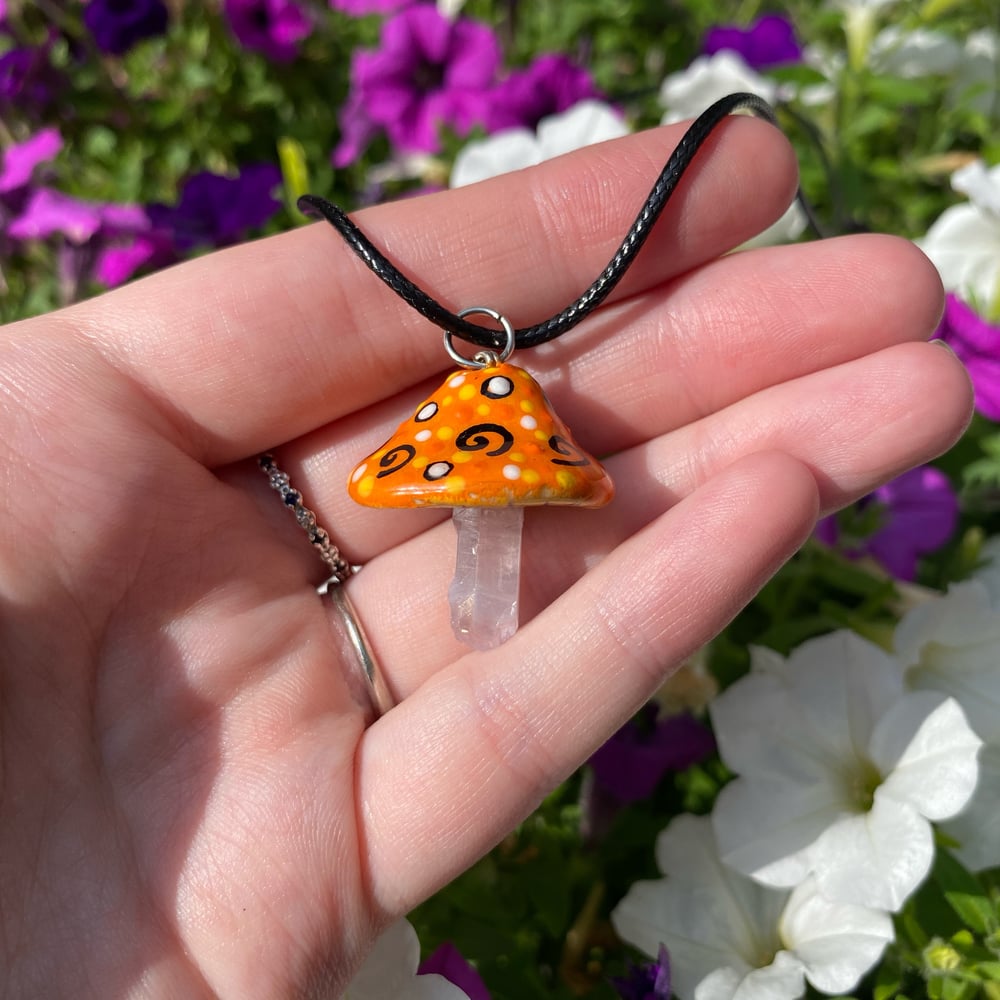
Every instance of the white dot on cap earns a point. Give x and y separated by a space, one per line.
359 472
456 381
528 422
512 472
422 435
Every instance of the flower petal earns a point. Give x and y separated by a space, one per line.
876 859
976 829
765 827
950 645
837 942
928 746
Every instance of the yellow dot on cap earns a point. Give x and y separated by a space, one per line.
467 392
454 484
483 409
530 477
565 479
445 433
419 462
359 472
461 456
527 405
366 486
541 435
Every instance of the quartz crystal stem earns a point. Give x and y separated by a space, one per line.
484 593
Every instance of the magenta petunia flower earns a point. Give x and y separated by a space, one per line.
118 24
552 83
919 513
447 961
359 8
647 980
48 212
977 343
428 72
271 27
21 159
768 41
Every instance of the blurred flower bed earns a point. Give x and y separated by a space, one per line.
811 806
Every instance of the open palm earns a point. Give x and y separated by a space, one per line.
191 805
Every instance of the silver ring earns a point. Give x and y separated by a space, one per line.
483 359
357 648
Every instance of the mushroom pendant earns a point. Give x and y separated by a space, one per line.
486 443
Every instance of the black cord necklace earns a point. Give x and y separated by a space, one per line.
681 158
487 442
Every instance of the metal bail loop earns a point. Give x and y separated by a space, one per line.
482 359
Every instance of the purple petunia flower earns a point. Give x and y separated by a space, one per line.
28 81
359 8
631 763
646 981
428 72
769 41
977 344
271 27
919 512
118 24
216 211
447 961
552 83
213 211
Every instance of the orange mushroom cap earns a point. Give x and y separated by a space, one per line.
487 438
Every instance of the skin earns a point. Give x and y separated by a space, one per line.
192 805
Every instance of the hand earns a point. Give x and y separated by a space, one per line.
191 803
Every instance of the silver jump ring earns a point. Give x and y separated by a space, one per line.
483 359
373 689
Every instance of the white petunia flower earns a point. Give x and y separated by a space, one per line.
988 574
952 646
787 229
974 85
390 971
582 125
859 26
964 242
914 54
842 771
450 9
731 938
977 828
707 79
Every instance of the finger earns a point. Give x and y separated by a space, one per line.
258 344
854 426
449 771
666 358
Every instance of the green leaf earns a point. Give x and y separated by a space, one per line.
887 983
963 893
